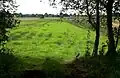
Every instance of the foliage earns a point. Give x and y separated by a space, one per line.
88 45
7 21
42 16
102 50
91 8
93 67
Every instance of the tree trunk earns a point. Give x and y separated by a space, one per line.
95 49
111 44
117 39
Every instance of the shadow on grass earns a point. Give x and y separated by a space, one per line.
54 68
50 68
8 63
91 67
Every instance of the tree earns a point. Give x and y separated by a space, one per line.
116 15
20 15
111 45
7 19
94 6
61 15
42 16
46 15
95 50
65 15
88 7
110 8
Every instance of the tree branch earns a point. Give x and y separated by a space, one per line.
89 16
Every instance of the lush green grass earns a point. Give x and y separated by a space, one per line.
33 42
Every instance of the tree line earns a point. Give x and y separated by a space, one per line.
42 15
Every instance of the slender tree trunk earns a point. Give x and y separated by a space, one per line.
117 39
95 49
111 44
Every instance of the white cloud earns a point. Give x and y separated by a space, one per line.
35 6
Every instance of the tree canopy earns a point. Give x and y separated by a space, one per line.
7 18
105 8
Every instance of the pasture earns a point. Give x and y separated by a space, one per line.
35 41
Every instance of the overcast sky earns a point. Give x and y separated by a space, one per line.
35 6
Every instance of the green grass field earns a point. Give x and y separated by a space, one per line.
33 41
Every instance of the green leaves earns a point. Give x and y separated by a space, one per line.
7 18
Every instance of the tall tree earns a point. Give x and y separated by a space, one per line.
110 8
111 45
88 7
91 9
95 49
7 19
46 14
116 14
